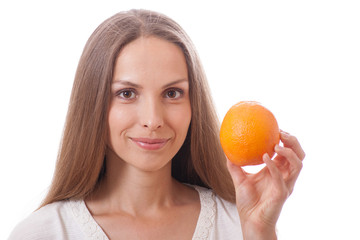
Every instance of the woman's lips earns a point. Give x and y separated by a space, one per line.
150 143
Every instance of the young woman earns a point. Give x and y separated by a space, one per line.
140 155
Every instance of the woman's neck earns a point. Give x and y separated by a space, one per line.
128 189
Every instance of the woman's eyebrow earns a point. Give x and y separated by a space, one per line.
127 83
175 82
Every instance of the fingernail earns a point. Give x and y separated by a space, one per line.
282 131
284 134
277 147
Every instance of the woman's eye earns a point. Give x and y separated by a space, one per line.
127 94
174 93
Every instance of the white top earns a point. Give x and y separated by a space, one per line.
71 220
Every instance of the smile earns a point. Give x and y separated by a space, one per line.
149 143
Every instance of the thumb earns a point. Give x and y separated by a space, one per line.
238 175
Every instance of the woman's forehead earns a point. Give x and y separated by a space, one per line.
152 59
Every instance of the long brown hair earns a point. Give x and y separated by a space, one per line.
81 160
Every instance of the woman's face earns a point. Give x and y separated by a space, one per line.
150 109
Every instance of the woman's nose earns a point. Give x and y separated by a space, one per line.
151 115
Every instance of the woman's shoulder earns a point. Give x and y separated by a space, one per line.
208 196
48 222
222 215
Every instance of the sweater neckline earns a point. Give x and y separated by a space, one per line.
92 229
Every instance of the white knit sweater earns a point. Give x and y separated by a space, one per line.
71 220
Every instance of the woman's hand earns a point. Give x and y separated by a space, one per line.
260 197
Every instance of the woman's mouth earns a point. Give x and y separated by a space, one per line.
150 143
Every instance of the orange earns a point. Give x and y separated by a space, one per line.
248 131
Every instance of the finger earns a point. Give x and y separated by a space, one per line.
281 163
291 141
294 163
290 155
238 175
282 190
274 171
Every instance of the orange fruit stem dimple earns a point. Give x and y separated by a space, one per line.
248 131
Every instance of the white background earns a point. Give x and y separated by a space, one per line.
301 59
